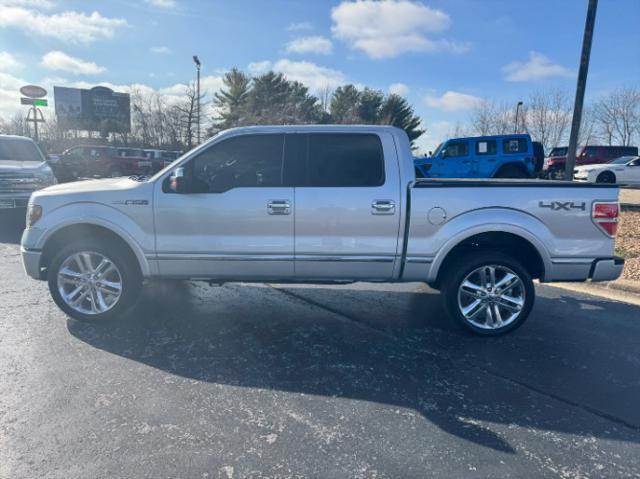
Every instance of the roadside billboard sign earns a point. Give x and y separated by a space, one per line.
97 109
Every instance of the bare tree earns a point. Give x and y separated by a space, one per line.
548 116
618 116
491 118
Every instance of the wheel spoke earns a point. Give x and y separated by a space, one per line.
109 286
511 302
506 280
489 317
492 276
467 310
471 289
497 316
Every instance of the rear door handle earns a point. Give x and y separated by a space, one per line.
279 207
383 207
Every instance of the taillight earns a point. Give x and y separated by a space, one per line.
605 216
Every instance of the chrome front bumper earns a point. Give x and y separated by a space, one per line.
31 262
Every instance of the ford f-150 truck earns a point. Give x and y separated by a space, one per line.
319 204
23 170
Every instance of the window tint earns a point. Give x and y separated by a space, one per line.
514 145
635 162
344 160
590 152
247 160
486 147
456 148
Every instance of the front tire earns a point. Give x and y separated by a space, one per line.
488 294
94 280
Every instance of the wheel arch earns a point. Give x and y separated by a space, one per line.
92 229
607 172
514 241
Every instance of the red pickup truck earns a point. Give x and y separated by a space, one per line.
585 155
103 161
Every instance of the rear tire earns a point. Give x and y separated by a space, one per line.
606 177
94 280
511 172
503 299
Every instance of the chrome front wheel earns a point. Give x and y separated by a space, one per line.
89 282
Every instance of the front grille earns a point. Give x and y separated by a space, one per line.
19 182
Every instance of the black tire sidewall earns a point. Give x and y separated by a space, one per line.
608 175
131 278
465 265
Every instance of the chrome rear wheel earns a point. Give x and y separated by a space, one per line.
491 297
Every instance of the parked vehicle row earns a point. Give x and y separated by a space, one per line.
320 203
108 161
554 164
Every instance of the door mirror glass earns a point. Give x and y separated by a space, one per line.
178 181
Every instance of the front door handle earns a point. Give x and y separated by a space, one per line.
279 207
383 207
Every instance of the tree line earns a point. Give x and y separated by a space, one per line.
269 98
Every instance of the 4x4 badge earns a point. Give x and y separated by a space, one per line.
562 205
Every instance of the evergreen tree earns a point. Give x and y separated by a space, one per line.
231 99
396 111
344 105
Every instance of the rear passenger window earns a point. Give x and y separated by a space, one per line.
514 145
456 148
486 147
344 160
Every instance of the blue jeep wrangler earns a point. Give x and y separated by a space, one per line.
499 156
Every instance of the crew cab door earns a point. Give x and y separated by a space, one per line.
348 203
236 218
456 160
486 158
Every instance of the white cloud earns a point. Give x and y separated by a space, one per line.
536 68
315 44
8 62
452 101
69 26
46 4
168 4
60 61
311 75
160 50
300 26
399 89
390 28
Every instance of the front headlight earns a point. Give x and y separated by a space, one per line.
34 213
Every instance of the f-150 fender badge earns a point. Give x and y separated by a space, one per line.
563 205
131 202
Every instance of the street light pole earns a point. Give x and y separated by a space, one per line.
515 130
580 88
196 60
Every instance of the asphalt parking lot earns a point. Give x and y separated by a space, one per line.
312 381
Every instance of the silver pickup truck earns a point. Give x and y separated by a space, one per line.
319 204
23 170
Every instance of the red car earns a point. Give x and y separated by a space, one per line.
585 155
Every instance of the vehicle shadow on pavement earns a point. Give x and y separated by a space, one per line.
374 343
12 225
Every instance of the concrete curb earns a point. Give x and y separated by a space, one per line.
620 290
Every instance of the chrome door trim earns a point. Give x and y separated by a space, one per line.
222 257
419 259
345 258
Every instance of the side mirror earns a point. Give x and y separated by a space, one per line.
178 182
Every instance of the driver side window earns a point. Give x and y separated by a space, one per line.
241 161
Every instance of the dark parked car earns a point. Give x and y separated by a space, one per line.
585 155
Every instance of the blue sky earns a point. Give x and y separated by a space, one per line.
444 55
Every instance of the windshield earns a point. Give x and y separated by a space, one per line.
437 152
559 151
19 150
622 160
